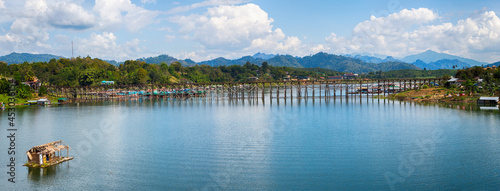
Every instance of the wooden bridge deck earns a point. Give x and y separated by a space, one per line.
245 90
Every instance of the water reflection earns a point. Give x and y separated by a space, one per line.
48 174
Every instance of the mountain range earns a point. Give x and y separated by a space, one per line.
344 63
441 64
27 57
494 64
431 56
376 60
429 59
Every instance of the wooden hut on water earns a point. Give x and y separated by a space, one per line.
47 154
488 101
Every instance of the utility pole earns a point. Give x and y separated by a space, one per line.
72 55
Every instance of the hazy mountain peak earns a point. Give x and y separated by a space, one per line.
263 56
432 56
15 58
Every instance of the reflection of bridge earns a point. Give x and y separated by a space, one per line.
245 90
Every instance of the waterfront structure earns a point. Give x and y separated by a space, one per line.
350 76
488 100
244 90
104 82
43 101
47 154
335 78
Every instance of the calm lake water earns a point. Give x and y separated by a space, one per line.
293 145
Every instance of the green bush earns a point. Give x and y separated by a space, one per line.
425 86
42 91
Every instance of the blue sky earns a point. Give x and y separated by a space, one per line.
207 29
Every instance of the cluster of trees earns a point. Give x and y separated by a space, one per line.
87 71
22 91
490 80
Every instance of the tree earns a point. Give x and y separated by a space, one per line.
4 86
447 77
469 86
141 76
87 78
42 91
264 66
24 91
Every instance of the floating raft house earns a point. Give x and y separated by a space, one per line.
488 100
47 154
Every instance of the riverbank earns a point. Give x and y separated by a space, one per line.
436 94
4 98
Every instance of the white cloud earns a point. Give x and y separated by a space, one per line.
169 38
245 29
207 3
105 46
148 1
115 13
410 32
2 4
29 31
69 15
57 14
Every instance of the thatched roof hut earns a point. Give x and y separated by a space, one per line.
49 153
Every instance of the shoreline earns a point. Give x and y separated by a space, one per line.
436 95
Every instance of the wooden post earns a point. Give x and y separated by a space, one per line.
284 86
360 90
320 90
384 88
270 91
347 90
314 93
334 89
278 91
263 88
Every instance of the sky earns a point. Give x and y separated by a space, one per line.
207 29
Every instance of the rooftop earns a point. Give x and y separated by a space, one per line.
489 98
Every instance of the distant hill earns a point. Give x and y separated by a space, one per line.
431 56
17 58
226 62
376 60
496 64
442 64
166 59
320 60
263 56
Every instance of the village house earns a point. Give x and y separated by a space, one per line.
253 79
34 83
335 77
107 82
350 76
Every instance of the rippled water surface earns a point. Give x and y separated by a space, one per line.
294 145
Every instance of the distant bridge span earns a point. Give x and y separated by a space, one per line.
246 90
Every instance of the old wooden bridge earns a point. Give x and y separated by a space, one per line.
245 90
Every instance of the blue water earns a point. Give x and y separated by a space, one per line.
293 145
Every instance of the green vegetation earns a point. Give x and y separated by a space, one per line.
474 82
88 72
488 85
